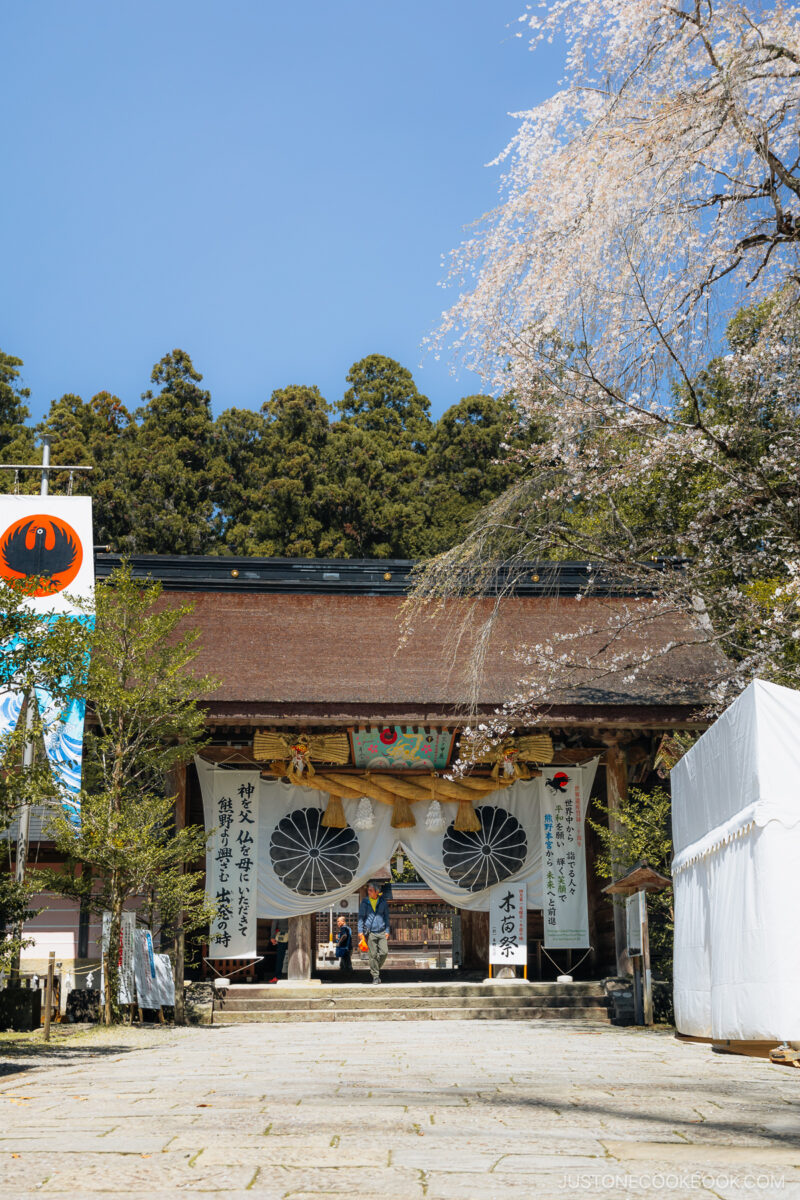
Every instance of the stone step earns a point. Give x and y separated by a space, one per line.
594 1014
344 991
378 998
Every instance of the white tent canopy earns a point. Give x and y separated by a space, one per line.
736 871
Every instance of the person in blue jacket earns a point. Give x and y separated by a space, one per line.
373 928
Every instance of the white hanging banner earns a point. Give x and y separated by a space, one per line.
50 538
232 812
508 925
165 980
566 911
125 959
464 867
304 867
144 969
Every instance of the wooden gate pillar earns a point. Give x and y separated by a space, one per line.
475 940
616 791
299 953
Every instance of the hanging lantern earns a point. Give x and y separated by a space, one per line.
434 818
365 815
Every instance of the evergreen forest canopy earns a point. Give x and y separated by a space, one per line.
370 476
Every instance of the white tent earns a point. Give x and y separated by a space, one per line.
736 872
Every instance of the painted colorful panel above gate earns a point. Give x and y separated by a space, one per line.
401 746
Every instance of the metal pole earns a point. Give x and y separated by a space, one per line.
48 994
24 828
23 835
44 489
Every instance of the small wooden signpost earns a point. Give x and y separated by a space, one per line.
48 994
635 885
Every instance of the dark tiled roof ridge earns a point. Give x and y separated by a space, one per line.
342 576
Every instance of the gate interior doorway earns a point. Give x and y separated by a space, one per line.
421 935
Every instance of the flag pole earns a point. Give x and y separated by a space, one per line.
24 827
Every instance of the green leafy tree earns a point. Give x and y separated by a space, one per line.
293 496
596 303
99 434
174 466
240 435
146 721
640 830
274 494
15 910
407 873
379 480
376 458
469 464
16 438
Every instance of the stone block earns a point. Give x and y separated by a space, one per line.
199 1002
83 1004
20 1009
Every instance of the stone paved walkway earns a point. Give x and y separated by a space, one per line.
398 1111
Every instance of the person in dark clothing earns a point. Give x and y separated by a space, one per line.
373 928
279 938
344 944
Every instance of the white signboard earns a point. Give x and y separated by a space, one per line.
633 922
165 979
125 955
232 866
508 929
144 968
566 910
49 538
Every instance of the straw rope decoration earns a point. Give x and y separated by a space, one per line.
396 790
509 756
291 757
323 747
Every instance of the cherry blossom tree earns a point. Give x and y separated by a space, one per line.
644 204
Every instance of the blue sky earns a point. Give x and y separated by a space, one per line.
268 185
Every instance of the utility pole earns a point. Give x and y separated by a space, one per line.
24 826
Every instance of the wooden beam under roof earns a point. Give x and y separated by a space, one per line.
643 717
243 755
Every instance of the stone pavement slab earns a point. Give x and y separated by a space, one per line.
396 1111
